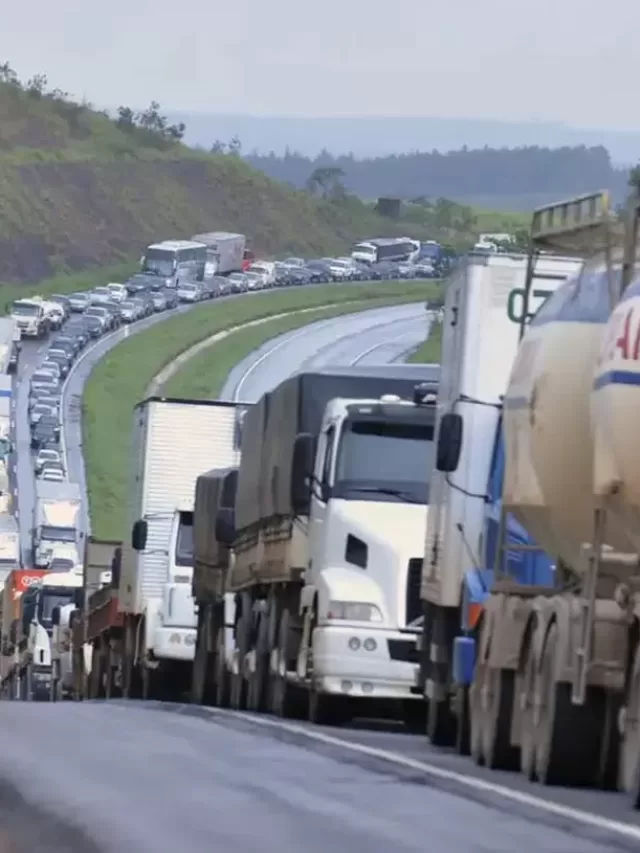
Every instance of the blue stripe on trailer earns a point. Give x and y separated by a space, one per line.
4 393
616 377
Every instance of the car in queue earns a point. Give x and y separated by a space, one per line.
47 457
79 302
237 282
189 292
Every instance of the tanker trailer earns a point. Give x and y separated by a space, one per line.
573 643
615 402
566 642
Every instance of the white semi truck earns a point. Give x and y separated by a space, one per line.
148 631
56 515
326 529
485 301
225 252
43 606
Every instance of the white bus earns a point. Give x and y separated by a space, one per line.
175 259
386 249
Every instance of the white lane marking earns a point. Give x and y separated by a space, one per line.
629 830
287 340
371 349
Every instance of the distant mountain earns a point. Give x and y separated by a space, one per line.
376 137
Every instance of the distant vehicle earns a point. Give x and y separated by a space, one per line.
189 291
52 474
265 269
100 295
53 367
294 262
171 297
140 283
173 261
47 457
102 314
62 301
79 302
386 249
30 318
129 311
118 291
224 252
238 282
254 281
159 301
430 252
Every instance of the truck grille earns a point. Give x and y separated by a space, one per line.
413 605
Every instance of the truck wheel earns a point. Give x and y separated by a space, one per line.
199 670
526 686
281 691
257 687
326 709
569 737
238 680
222 687
629 774
498 752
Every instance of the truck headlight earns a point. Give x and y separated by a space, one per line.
354 611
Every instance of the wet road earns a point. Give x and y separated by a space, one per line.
378 336
130 778
134 778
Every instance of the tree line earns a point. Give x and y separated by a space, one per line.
505 172
149 125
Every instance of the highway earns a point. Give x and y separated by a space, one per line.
126 777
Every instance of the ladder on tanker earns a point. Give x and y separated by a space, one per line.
584 226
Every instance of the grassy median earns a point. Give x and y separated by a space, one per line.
119 381
429 351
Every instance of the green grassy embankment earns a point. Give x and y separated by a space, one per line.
120 379
429 351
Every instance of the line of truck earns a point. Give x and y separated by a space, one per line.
455 547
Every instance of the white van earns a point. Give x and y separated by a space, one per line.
266 270
118 291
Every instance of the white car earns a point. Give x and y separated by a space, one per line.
78 302
266 270
47 457
53 368
118 291
52 474
100 296
189 292
254 281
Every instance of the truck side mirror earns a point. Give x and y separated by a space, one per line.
226 526
304 453
55 616
449 443
139 535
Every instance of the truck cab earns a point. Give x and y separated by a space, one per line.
30 318
39 613
367 494
171 620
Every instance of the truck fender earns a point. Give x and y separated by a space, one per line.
307 598
535 631
510 623
559 612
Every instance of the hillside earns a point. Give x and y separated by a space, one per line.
79 189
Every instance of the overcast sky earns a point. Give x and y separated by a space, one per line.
573 60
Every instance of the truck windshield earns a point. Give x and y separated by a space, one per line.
184 540
54 598
57 534
22 309
158 262
385 459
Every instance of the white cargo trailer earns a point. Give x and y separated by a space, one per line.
225 252
174 442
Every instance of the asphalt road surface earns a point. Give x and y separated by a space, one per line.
126 777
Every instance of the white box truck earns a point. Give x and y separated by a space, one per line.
225 252
174 442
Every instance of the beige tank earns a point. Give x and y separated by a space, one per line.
615 404
549 480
